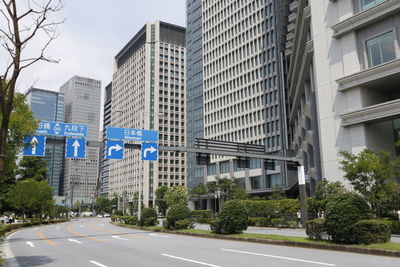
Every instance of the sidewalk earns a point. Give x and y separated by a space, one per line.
282 231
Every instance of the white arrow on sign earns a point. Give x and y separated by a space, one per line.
29 243
150 149
76 146
116 148
34 143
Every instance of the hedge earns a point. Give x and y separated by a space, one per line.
394 226
132 220
271 208
201 213
5 228
370 232
315 230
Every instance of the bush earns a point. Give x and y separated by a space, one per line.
132 220
342 213
215 226
2 232
234 217
148 213
279 223
394 226
271 208
370 232
176 213
184 224
315 230
259 221
202 213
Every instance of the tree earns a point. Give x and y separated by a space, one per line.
277 193
160 199
371 174
236 192
324 193
177 194
198 191
30 197
103 205
33 167
20 25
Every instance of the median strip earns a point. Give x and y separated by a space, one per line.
277 257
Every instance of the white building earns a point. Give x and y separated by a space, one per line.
344 78
82 106
149 93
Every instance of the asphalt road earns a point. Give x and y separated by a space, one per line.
96 242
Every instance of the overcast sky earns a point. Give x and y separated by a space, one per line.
94 32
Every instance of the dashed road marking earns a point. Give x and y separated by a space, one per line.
189 260
97 263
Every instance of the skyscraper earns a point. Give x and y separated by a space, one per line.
82 106
243 86
148 92
49 106
343 79
105 164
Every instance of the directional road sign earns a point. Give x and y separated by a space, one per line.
150 151
131 134
114 149
75 148
34 146
62 129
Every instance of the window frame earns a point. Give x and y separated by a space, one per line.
395 44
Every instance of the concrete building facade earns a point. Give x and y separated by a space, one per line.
49 106
82 106
343 76
148 92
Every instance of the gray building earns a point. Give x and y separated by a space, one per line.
82 106
343 77
104 175
49 106
194 84
243 86
149 92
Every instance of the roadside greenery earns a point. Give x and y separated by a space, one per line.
177 194
33 168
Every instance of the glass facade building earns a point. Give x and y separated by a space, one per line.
49 106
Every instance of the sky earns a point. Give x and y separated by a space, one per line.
93 33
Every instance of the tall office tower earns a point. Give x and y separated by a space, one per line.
244 98
104 168
49 106
82 106
344 74
148 92
194 96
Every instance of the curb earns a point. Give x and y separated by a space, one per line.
343 248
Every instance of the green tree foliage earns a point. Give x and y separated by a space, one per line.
103 205
177 194
30 197
160 199
198 191
342 213
277 193
324 193
371 174
176 213
229 188
149 217
233 217
33 167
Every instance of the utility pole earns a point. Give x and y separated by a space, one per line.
302 195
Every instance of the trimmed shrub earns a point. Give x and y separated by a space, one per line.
342 213
147 218
279 223
2 232
394 226
234 217
371 232
184 224
176 213
215 226
259 221
315 230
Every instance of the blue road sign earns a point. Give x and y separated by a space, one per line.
132 134
34 146
150 151
62 129
75 148
114 149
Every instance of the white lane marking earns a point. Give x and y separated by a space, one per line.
58 227
189 260
157 235
81 225
101 225
29 243
73 240
277 257
97 263
37 228
118 237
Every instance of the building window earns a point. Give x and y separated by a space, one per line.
381 49
224 167
365 4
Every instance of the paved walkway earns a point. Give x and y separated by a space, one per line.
283 231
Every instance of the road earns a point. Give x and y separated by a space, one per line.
96 242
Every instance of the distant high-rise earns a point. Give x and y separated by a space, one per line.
104 168
82 106
49 106
242 85
148 92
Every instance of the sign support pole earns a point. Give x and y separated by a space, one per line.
302 196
